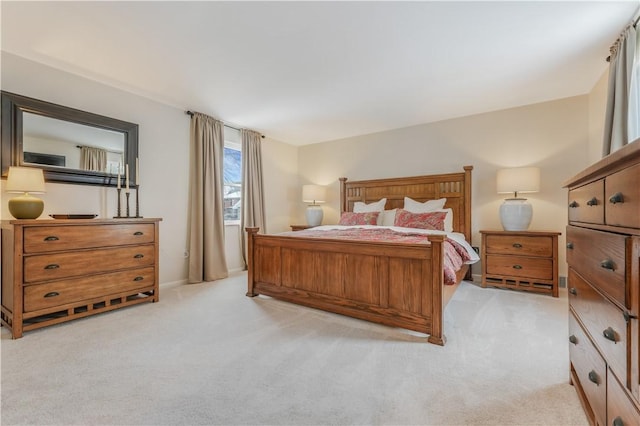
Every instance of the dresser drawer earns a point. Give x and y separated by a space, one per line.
603 321
517 266
52 266
520 245
590 369
586 203
59 293
600 259
39 239
620 409
622 196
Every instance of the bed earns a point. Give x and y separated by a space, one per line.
387 282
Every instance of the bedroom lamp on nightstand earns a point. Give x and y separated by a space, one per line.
25 180
314 194
516 212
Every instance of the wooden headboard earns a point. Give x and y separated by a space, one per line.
455 187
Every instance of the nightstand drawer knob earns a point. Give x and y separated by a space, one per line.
138 278
517 245
592 202
607 264
570 246
138 233
51 238
573 204
52 294
593 376
517 266
616 198
138 256
573 339
573 291
52 266
609 334
617 421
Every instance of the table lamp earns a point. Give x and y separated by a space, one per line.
516 212
25 180
314 194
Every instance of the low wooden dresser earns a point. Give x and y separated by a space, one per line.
58 270
521 260
603 253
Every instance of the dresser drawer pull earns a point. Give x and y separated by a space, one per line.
616 198
517 266
573 204
609 334
52 266
51 238
628 316
617 421
573 339
570 246
138 233
593 376
573 291
607 264
138 278
52 294
138 256
517 245
592 202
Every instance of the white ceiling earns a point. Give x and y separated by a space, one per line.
306 72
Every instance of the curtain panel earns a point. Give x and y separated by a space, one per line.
253 211
207 260
94 159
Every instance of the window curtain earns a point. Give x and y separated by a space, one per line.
252 187
207 260
94 159
623 101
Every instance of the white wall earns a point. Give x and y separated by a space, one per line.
550 135
597 111
164 159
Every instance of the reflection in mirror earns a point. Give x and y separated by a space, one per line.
53 142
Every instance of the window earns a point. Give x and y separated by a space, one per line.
232 170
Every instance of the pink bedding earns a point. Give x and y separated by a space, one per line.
455 254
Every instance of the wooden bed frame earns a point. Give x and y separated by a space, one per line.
399 285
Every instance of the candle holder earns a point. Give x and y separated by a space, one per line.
138 201
127 195
118 211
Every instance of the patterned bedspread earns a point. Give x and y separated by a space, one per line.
455 254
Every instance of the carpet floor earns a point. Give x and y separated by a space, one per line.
206 354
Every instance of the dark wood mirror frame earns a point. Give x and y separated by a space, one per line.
11 153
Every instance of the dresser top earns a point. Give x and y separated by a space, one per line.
49 222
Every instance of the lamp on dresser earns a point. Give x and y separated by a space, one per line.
516 212
314 194
25 180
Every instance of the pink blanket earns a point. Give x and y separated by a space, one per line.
454 254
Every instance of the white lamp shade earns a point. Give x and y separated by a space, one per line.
520 179
314 194
25 179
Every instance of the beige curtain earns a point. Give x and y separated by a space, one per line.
94 159
207 261
621 120
252 187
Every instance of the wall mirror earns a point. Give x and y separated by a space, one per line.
70 145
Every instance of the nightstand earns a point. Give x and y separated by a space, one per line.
520 260
300 227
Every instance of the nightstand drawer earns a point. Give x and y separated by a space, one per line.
590 368
603 320
520 245
600 258
586 203
515 266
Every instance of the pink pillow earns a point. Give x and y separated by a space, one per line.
350 218
431 220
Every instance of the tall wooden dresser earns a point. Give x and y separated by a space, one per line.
603 253
58 270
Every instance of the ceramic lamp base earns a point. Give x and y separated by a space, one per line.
26 207
516 214
314 215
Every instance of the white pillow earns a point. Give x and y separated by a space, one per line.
448 219
387 218
360 207
414 206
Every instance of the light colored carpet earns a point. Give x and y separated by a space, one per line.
206 354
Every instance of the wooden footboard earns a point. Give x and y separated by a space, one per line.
393 284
